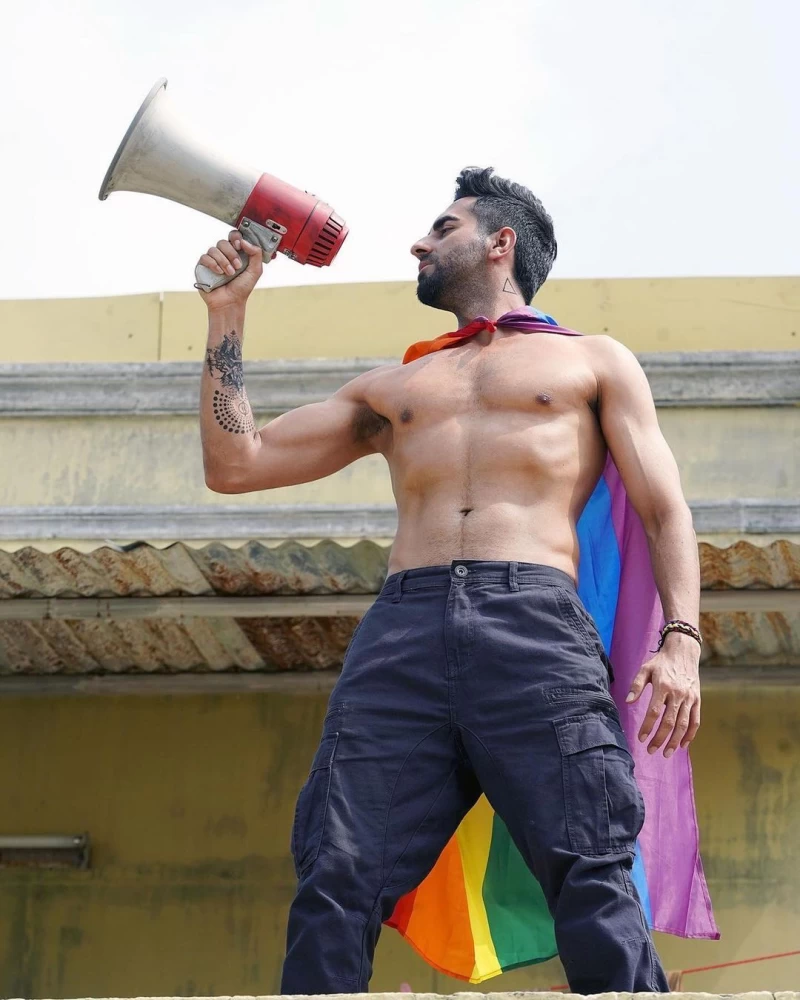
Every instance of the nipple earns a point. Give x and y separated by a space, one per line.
542 397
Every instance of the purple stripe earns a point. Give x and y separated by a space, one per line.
670 838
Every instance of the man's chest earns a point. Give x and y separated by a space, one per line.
537 378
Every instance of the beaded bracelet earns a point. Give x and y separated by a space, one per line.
676 625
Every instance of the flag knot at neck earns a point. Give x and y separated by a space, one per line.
476 326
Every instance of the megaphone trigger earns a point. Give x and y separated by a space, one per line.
268 237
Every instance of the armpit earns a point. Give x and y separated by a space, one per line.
367 423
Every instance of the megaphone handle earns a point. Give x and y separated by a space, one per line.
267 237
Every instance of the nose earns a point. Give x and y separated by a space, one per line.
420 249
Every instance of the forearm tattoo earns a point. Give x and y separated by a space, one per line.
231 406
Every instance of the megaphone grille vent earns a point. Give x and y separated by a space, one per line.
327 242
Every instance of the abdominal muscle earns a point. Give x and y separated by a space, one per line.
436 534
513 498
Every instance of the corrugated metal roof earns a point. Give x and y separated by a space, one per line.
194 645
172 645
180 570
295 569
744 565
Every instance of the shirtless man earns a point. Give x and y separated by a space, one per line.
457 676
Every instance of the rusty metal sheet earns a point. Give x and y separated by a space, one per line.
308 643
744 639
196 645
145 571
744 566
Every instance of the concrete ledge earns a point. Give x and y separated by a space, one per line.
745 600
704 378
747 516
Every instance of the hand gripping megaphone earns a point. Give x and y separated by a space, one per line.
159 156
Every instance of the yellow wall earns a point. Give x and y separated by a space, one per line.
380 319
188 801
145 460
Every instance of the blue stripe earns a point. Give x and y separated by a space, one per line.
543 317
598 588
640 881
599 568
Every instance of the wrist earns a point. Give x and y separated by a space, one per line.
226 318
677 639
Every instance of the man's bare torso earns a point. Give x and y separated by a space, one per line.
493 448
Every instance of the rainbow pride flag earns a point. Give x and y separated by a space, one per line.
480 911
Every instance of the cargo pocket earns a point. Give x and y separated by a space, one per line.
312 807
603 806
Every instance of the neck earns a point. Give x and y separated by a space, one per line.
492 304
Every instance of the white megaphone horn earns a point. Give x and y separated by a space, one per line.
158 155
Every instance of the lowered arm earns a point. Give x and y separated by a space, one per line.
650 474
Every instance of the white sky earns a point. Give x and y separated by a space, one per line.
662 137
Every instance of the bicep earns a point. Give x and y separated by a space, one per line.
631 430
317 440
308 443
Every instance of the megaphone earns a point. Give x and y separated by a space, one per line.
159 155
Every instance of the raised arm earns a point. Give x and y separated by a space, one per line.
305 444
648 469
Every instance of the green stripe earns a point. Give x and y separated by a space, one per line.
521 925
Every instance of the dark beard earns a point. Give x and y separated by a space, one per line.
430 285
447 283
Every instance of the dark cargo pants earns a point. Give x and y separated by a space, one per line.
479 676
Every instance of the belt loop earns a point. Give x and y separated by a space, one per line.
398 586
512 576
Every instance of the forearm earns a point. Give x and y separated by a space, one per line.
227 426
673 552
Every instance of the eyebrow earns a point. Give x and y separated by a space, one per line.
443 221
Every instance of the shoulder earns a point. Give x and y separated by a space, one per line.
609 359
360 388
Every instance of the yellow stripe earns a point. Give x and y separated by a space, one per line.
474 840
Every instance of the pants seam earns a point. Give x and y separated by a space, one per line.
391 798
654 962
389 885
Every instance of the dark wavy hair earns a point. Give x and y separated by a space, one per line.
501 202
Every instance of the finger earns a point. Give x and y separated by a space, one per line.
681 725
694 725
227 248
208 261
235 238
638 684
255 264
667 725
222 260
653 714
250 248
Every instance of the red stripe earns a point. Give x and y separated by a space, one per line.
402 912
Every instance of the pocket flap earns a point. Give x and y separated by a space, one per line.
587 731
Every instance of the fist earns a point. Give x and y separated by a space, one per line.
226 258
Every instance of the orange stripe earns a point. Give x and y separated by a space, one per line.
424 347
439 927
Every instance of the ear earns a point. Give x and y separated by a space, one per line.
502 243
